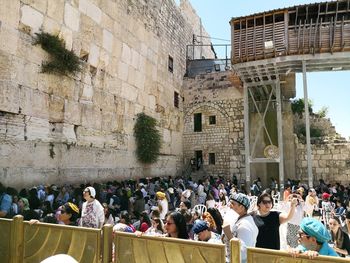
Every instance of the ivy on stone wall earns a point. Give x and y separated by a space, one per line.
148 140
63 61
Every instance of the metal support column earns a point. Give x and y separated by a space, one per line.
246 137
307 127
280 136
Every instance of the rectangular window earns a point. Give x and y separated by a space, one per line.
212 119
171 64
198 122
212 158
176 99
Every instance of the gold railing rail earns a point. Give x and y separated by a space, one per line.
260 255
150 249
24 242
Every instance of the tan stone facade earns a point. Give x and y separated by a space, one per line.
59 129
214 95
222 141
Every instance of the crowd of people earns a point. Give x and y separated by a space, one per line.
211 210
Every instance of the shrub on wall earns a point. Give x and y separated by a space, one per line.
148 140
298 106
63 61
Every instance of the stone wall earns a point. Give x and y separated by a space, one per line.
330 162
213 95
66 129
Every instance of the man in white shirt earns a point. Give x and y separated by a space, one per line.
245 228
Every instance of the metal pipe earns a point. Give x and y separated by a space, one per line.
280 136
307 127
246 137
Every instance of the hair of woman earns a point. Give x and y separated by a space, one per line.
180 224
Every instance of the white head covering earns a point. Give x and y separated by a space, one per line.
59 259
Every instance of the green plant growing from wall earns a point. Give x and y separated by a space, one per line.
63 61
298 106
148 139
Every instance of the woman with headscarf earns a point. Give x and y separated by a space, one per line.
339 238
69 214
162 204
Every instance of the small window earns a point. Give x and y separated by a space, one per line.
197 122
212 120
212 158
171 64
176 99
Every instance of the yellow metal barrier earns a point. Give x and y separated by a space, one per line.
235 251
23 242
147 249
5 240
260 255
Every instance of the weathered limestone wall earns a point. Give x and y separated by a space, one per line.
330 161
330 154
213 95
56 129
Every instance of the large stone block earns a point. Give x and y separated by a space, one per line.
27 73
56 109
91 116
9 97
37 129
88 93
40 5
94 55
25 100
117 49
55 10
104 59
32 18
91 10
123 71
107 40
11 129
126 54
7 63
71 17
109 9
129 92
61 86
9 38
72 112
51 26
10 13
40 104
94 12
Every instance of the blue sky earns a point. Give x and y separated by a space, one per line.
324 89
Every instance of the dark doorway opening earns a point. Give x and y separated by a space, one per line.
199 159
